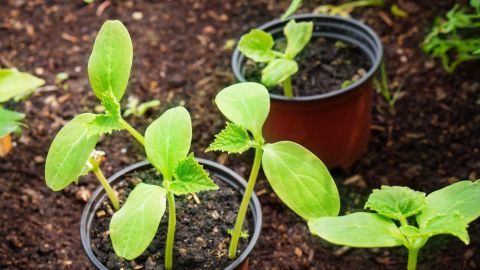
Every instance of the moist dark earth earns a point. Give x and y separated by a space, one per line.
201 237
430 141
324 65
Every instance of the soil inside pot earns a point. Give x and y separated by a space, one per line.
201 238
324 65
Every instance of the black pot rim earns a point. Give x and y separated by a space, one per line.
344 20
254 207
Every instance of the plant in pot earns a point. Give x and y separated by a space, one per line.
123 224
319 70
297 176
404 217
14 86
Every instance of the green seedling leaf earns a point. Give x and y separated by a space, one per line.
168 139
453 224
15 84
396 202
361 230
10 121
461 198
300 180
298 35
191 177
245 104
294 5
277 71
69 152
411 232
102 124
233 139
257 45
475 4
110 62
397 11
134 226
135 108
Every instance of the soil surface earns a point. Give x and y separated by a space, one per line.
201 238
324 65
432 140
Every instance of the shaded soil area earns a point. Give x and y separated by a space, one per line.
324 65
201 236
179 58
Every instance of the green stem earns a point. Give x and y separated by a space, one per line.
403 221
242 211
412 258
110 193
172 220
132 131
287 87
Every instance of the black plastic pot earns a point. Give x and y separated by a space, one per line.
221 172
334 125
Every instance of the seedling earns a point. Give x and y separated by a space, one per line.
404 218
69 156
15 86
347 8
167 143
258 45
137 109
297 176
451 39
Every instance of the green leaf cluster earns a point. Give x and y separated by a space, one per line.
14 85
296 175
445 211
108 70
258 45
451 39
167 144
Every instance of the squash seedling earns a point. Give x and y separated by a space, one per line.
167 144
70 155
14 85
404 218
451 40
297 176
258 46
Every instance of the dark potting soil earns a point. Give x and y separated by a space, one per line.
324 65
201 237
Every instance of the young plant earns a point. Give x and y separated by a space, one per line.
15 86
451 39
280 66
296 175
347 8
69 156
167 144
404 218
137 109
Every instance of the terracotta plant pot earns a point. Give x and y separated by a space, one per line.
334 125
222 173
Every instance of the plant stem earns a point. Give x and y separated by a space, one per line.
110 193
132 131
412 258
172 220
242 211
287 87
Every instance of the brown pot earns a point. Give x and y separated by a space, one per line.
335 125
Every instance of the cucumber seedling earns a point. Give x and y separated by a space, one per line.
297 176
15 86
167 144
404 218
258 45
453 39
72 154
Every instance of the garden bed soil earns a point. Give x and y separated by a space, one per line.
201 237
430 142
324 65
